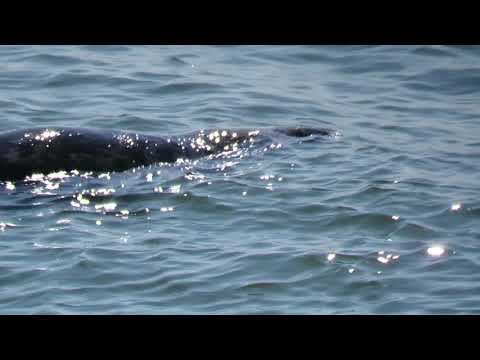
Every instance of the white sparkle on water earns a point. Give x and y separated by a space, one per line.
456 207
175 189
107 206
435 250
382 259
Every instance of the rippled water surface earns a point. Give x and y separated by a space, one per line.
381 218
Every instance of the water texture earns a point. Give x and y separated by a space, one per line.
382 218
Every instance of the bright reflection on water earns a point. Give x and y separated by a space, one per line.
435 251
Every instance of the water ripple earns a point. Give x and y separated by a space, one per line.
381 219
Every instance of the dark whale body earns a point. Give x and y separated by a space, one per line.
45 150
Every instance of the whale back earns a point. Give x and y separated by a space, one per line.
40 150
24 152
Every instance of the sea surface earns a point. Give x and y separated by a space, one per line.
383 217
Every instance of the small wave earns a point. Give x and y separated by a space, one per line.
177 60
146 75
460 81
185 88
372 67
435 51
55 60
70 80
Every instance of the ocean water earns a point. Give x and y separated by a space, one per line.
382 218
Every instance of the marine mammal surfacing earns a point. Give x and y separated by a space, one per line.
45 150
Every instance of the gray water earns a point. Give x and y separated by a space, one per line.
382 218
